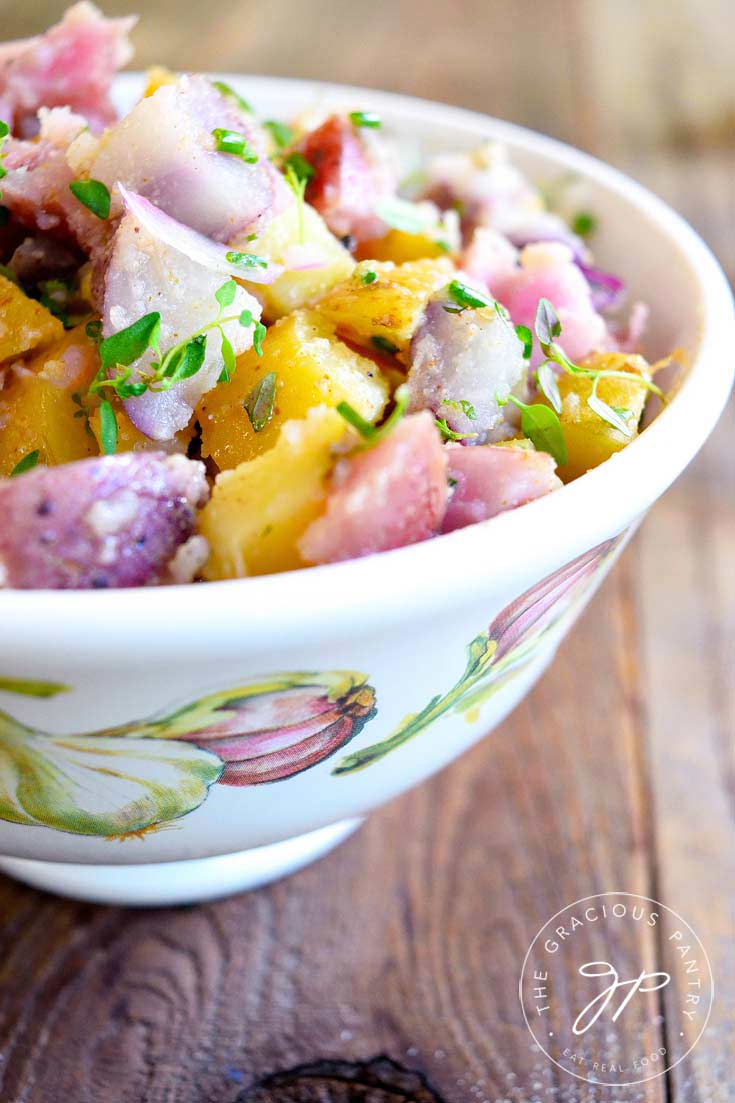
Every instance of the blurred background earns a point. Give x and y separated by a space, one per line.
646 84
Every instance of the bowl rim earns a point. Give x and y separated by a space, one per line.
608 498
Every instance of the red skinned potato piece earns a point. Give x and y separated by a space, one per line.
385 497
351 174
490 479
548 271
72 64
35 188
114 521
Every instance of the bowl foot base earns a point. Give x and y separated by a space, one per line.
158 884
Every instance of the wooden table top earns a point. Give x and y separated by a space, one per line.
406 943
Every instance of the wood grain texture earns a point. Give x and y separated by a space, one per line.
617 772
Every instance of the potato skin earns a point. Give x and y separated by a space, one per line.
259 510
313 368
390 307
113 521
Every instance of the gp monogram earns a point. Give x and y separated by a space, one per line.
616 989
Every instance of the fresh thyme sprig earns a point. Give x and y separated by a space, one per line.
181 361
372 434
547 328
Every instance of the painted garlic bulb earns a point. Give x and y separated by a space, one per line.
273 729
539 608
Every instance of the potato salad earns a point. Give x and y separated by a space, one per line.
233 345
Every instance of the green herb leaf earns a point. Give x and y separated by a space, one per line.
129 344
94 195
235 143
450 434
366 430
259 332
465 296
225 295
230 94
282 134
525 336
366 118
300 166
546 325
547 384
94 331
108 429
261 401
584 223
56 296
26 464
4 132
245 260
228 356
401 215
541 425
462 405
246 318
368 277
186 361
369 433
384 344
607 413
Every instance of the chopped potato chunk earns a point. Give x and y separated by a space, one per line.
158 76
37 410
259 510
400 247
25 325
384 312
312 368
590 440
282 243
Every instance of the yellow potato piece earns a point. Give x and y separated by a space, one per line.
25 325
37 411
384 312
259 510
157 77
313 367
294 289
590 440
400 247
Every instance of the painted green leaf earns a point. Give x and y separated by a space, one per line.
90 786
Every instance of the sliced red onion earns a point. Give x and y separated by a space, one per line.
301 257
202 250
607 290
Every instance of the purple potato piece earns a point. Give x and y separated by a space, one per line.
115 521
460 361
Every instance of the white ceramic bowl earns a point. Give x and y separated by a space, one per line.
456 629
